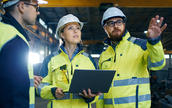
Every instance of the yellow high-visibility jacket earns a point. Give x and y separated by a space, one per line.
16 73
131 58
60 72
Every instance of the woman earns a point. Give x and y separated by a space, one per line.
61 67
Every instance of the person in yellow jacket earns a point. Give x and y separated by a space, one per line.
17 86
131 58
61 68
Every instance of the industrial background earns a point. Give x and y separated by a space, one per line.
139 12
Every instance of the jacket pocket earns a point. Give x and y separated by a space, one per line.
60 77
107 65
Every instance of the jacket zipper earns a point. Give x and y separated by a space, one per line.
115 57
71 69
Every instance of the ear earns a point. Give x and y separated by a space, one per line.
21 7
61 35
105 29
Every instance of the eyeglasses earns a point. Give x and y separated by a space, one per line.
36 6
112 23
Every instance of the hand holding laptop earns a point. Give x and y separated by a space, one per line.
89 94
59 93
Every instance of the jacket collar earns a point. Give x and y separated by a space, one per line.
79 47
77 50
9 19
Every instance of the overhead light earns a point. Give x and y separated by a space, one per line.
34 58
42 23
42 2
42 52
95 55
56 36
167 56
145 32
50 30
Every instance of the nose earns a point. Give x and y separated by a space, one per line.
75 30
115 25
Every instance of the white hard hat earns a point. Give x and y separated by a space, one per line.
67 19
7 3
111 13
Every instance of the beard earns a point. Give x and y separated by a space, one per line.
116 35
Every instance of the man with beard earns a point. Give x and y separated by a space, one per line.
17 86
131 58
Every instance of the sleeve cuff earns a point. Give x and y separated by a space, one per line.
154 41
53 90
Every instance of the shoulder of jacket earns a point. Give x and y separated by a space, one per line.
132 39
85 54
56 53
7 27
138 41
107 49
9 32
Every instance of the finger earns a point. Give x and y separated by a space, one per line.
39 81
157 17
36 82
90 94
85 93
35 85
40 78
36 78
160 21
59 96
153 22
59 91
163 27
150 23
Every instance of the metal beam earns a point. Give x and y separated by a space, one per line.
144 3
96 3
75 3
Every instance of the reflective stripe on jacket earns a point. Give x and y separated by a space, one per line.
60 73
130 58
14 68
